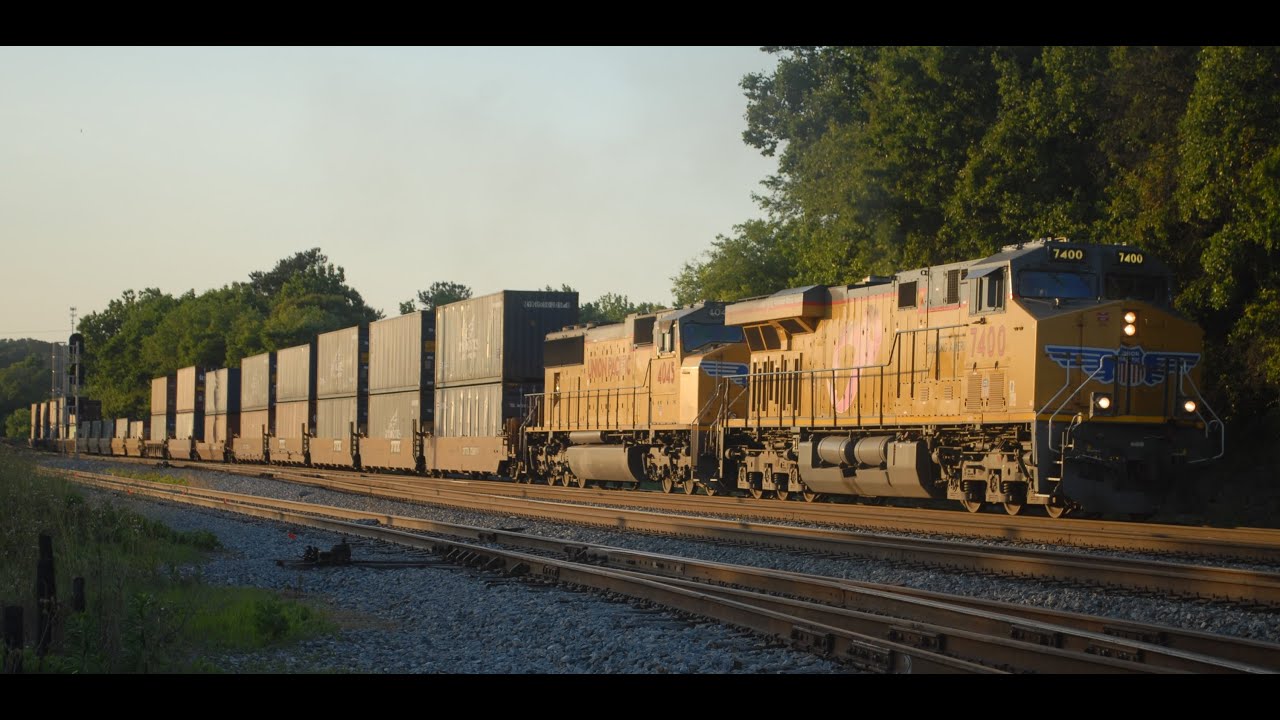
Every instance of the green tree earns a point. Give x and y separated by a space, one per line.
18 424
440 293
313 301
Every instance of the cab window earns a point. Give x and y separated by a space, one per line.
1053 284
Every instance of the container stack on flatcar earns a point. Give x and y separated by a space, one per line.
188 425
164 403
221 414
400 397
295 404
120 437
342 396
135 445
256 426
488 357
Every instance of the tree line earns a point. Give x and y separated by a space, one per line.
891 158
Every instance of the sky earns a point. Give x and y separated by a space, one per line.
499 168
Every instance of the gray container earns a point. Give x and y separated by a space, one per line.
334 415
122 428
393 415
222 391
161 427
164 398
291 418
257 381
190 390
480 410
188 426
402 353
342 362
498 337
295 373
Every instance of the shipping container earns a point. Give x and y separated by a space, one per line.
221 428
257 381
188 426
222 391
190 389
164 399
255 423
293 419
334 417
122 428
402 353
296 374
393 416
161 427
35 420
342 362
498 337
481 410
139 429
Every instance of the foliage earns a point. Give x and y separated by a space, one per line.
440 293
608 308
18 424
146 334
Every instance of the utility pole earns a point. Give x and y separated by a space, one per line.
75 343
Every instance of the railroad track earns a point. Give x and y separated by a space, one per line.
871 628
1259 545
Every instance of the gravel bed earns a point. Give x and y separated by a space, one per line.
447 620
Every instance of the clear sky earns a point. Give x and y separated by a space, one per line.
499 168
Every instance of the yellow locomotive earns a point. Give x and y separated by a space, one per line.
635 401
1052 373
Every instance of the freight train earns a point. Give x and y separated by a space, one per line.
1051 374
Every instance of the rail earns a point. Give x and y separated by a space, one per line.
852 378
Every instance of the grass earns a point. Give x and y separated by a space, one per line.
154 477
147 608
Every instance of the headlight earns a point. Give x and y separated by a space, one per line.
1100 404
1130 329
1130 317
1189 406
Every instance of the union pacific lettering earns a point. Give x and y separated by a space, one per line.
608 369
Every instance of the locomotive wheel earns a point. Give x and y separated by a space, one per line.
1013 508
756 493
808 495
668 484
782 494
690 487
1056 511
712 488
972 506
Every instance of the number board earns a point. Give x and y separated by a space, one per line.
1067 254
1129 257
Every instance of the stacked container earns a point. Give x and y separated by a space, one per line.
295 403
257 408
35 424
164 402
120 434
342 386
221 414
189 419
401 383
490 356
135 445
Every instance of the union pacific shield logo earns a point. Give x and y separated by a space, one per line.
736 372
1133 365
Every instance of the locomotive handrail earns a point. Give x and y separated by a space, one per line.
1185 372
854 370
1079 387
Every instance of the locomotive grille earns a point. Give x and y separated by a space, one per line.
995 395
973 393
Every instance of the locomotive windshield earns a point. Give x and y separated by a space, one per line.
1056 284
696 335
1152 288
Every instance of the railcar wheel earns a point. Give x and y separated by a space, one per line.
1013 508
783 494
712 488
756 493
808 495
972 506
1056 511
690 486
668 484
576 480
